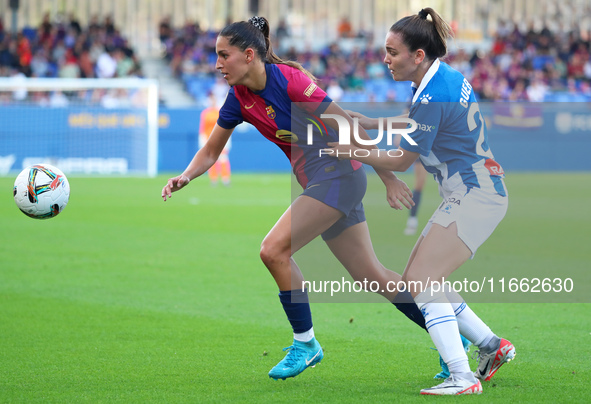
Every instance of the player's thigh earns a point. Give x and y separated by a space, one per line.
413 254
439 254
420 176
476 215
326 207
353 249
302 222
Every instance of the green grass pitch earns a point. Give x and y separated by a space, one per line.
124 298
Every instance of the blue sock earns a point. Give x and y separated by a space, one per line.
406 304
416 198
297 308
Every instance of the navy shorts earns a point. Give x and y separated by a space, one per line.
345 194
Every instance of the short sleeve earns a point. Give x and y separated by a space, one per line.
230 113
428 118
301 89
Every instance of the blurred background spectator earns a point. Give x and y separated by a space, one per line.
546 58
521 65
63 48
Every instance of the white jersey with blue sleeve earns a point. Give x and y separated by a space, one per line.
451 135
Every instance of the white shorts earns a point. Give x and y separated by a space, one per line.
476 215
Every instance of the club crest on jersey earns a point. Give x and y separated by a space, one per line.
271 112
425 98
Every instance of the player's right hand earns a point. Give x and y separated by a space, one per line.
173 185
364 121
398 194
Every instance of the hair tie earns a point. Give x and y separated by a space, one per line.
423 14
258 22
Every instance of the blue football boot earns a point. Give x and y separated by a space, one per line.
299 356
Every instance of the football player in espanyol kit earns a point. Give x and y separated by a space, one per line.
451 142
264 88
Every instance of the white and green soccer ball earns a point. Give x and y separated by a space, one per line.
41 191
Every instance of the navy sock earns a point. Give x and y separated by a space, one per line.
297 308
416 198
406 304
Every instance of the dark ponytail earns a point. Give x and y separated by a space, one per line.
418 32
255 34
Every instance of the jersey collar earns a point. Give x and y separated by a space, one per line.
426 78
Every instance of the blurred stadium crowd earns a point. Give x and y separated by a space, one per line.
63 48
523 64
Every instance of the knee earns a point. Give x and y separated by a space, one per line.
273 254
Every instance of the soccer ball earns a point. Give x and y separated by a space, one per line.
41 191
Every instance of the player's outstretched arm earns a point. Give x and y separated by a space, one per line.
391 160
397 192
365 122
368 123
202 161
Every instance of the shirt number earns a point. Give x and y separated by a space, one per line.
474 109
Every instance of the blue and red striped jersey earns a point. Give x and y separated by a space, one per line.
282 112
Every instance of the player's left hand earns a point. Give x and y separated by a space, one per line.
340 151
173 185
398 194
